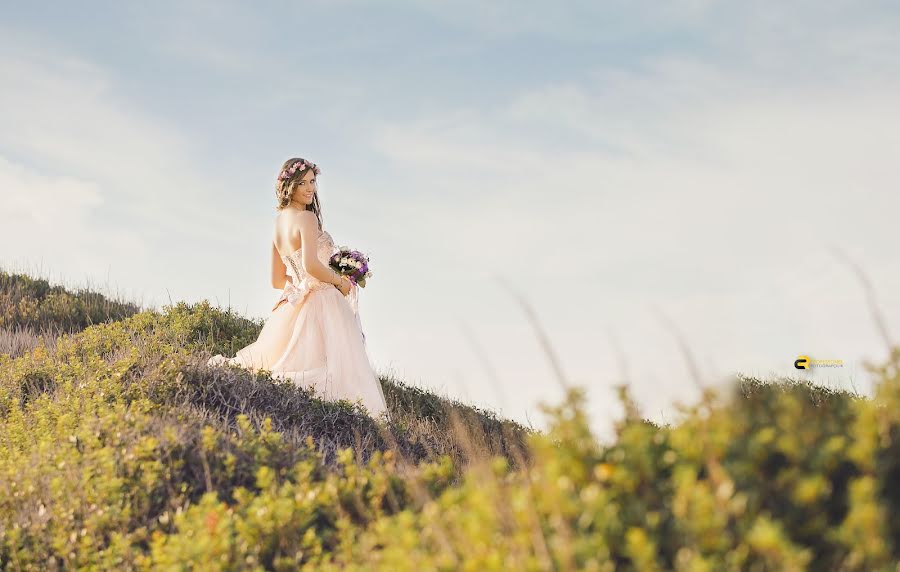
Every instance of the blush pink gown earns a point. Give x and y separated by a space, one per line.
314 338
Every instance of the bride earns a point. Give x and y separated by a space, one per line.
313 337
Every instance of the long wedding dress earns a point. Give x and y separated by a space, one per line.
314 338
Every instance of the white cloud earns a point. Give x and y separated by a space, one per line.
131 195
51 226
65 114
45 202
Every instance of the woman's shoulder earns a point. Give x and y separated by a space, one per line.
294 217
294 214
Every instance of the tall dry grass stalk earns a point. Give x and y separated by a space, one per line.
19 340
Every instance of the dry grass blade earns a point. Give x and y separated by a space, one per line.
871 299
564 529
685 349
541 548
420 493
492 376
621 358
542 337
20 340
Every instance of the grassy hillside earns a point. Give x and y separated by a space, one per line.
32 309
121 449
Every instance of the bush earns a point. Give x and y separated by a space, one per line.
122 450
27 302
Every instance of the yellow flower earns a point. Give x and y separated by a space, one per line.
603 471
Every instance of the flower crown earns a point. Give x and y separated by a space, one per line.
299 164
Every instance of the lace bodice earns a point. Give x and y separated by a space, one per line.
301 283
294 261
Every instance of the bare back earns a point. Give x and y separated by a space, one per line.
287 232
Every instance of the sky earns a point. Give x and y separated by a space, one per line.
671 194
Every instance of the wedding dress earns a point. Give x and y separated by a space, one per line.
314 338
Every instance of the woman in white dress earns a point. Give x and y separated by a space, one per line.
313 336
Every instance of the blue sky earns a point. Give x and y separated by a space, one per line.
638 172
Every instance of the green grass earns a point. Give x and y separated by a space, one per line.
121 449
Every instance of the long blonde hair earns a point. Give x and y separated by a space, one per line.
284 188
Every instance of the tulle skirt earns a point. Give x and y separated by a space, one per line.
314 339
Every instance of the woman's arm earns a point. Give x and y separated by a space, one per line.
279 270
309 234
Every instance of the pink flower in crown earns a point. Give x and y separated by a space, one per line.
290 171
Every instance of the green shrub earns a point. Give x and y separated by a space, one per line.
120 449
34 303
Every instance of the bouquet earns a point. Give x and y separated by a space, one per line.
351 263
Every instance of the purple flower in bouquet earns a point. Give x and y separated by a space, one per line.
351 263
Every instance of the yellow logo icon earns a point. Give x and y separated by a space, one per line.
806 362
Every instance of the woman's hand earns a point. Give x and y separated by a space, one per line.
344 286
